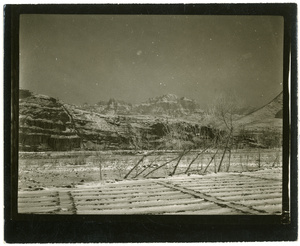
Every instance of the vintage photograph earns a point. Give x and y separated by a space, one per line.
150 114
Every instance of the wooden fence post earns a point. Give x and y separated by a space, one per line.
247 162
259 158
215 168
211 161
100 169
228 161
241 163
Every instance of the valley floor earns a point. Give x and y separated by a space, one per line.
256 192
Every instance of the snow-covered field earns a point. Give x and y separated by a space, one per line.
38 171
95 184
258 192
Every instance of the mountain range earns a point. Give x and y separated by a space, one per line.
169 104
46 123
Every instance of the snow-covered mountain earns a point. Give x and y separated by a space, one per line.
169 105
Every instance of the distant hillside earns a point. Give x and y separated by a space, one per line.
268 116
166 105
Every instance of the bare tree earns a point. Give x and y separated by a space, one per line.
221 116
174 137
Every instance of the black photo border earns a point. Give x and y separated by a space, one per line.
30 228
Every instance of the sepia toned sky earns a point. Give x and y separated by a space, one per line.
88 58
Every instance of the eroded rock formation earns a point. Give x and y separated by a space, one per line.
45 123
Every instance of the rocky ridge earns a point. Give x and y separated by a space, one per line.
46 123
268 116
165 105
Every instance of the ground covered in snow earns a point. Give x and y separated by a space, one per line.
93 183
39 171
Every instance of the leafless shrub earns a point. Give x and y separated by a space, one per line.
221 116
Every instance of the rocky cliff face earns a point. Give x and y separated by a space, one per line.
47 124
99 131
44 124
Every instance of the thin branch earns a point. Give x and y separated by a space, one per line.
224 119
148 166
196 158
140 160
184 153
211 161
125 177
153 170
225 149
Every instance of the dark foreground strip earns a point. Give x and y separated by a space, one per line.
219 202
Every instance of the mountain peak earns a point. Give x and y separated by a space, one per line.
164 98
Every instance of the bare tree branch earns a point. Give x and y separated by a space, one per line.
210 161
136 165
164 164
183 153
196 158
148 166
